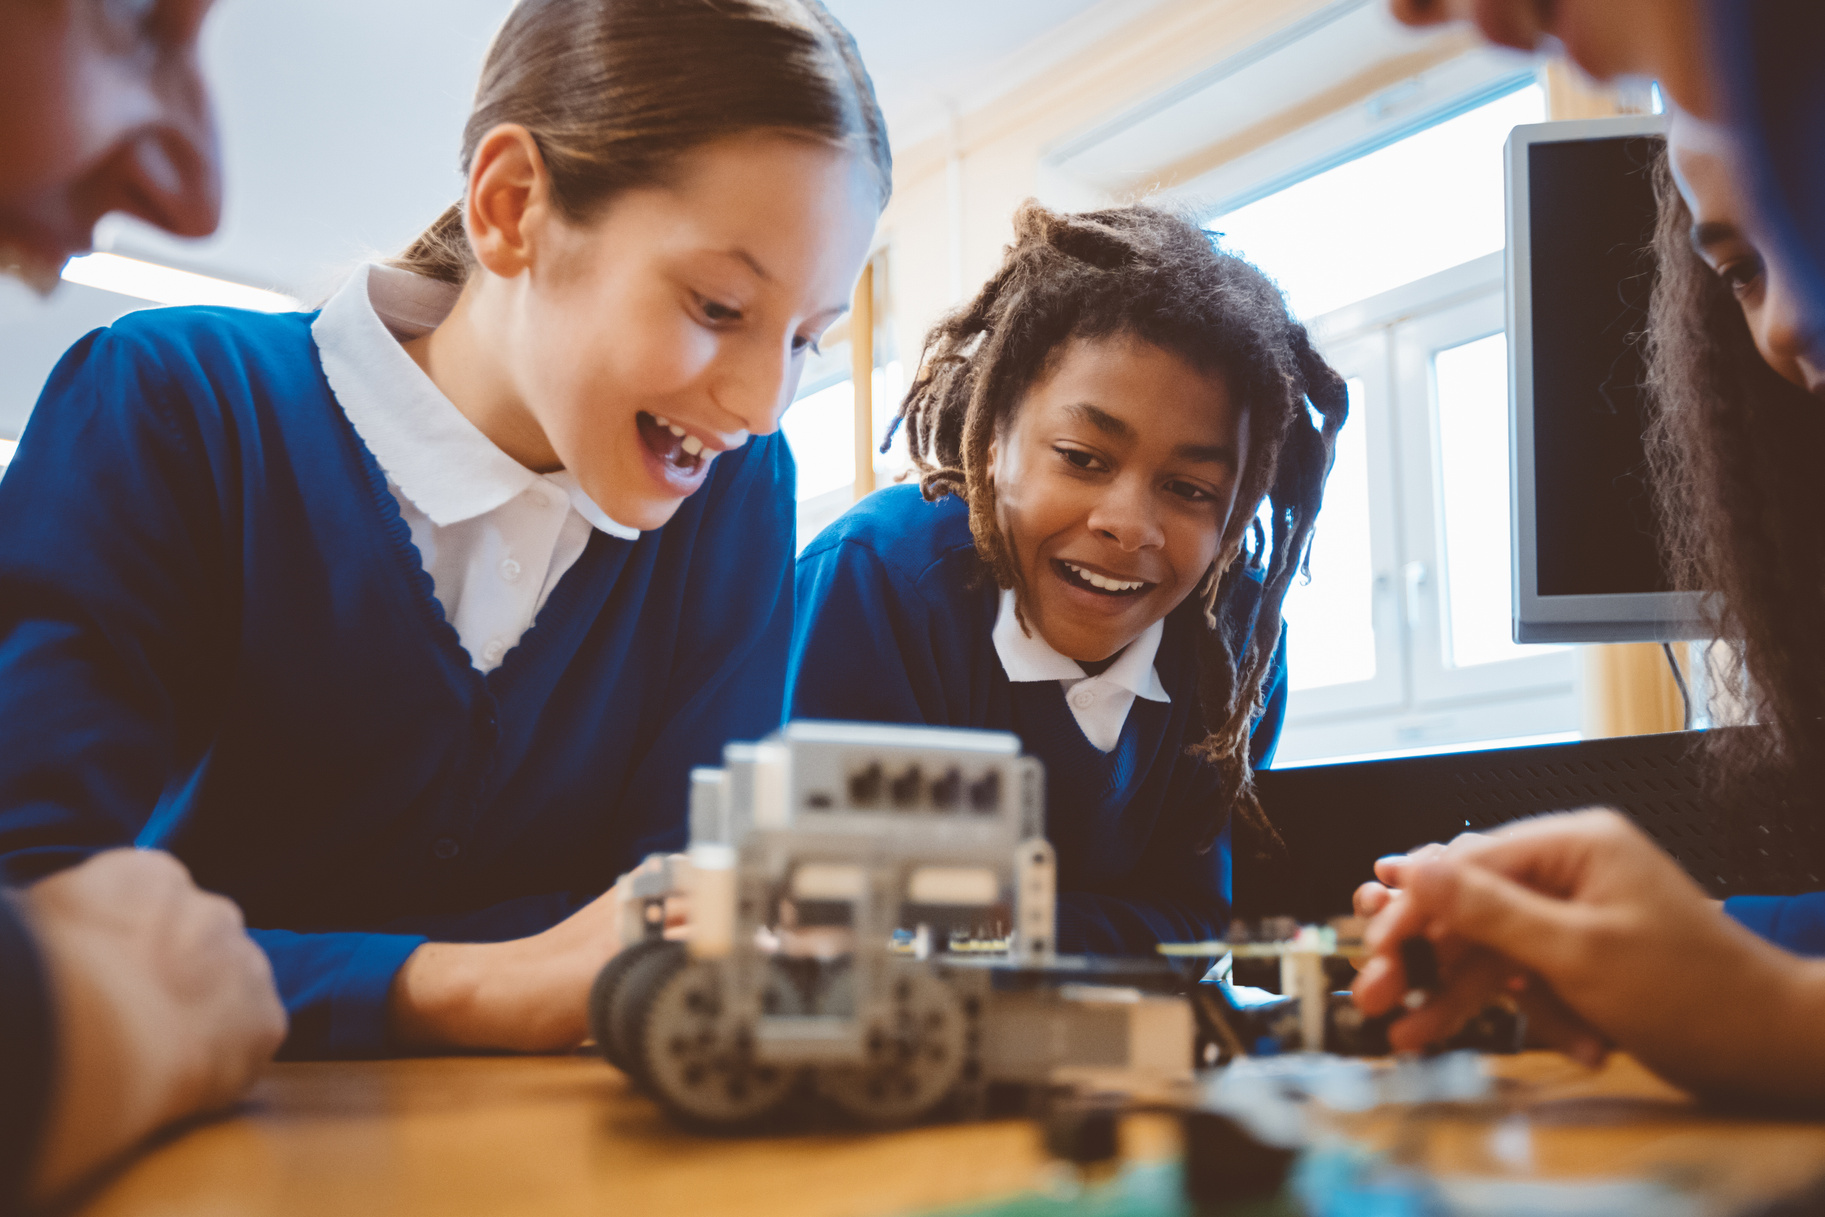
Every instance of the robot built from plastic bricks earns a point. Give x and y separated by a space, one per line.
871 920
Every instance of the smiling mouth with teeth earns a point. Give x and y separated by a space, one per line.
1091 581
678 448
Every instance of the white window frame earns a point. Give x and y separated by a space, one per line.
1418 701
1365 359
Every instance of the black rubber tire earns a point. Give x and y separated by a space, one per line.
632 998
602 997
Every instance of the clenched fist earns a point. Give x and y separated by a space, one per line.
164 1007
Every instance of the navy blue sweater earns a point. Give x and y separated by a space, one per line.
1794 922
26 1052
217 638
895 621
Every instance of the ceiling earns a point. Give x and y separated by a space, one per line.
341 118
926 54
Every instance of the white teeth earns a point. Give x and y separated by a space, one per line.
663 422
676 430
1106 584
691 445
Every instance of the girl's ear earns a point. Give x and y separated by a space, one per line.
508 188
994 451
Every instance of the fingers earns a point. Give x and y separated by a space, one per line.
1476 979
1379 985
1557 854
1370 899
1468 901
1553 1024
1390 869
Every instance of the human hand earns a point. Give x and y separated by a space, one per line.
526 995
164 1007
1589 912
1372 897
1480 976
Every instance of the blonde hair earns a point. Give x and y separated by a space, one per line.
614 92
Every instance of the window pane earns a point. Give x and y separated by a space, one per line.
1471 384
1417 207
820 429
1331 620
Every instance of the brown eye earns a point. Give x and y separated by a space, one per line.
720 314
1190 493
1742 274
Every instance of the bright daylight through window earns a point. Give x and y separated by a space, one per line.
1411 209
1406 618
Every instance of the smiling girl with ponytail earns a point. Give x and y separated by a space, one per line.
402 624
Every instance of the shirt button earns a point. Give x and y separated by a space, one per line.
510 570
493 651
1083 699
445 848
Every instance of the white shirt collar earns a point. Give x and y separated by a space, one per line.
1029 657
436 457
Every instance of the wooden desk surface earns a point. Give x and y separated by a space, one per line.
556 1136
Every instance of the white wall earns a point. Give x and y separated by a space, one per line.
341 124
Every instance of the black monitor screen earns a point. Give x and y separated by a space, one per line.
1592 219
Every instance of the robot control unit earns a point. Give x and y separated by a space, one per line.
870 919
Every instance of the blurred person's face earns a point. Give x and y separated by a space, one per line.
1654 39
102 108
1726 236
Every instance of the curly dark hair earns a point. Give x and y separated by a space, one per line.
1146 273
1734 452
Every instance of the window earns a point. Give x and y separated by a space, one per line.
820 429
1401 641
1414 208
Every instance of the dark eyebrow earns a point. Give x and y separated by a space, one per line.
1713 232
1102 420
1206 454
1116 428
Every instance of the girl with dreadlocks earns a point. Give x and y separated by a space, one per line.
1613 941
1095 434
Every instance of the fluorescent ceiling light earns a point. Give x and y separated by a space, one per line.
164 285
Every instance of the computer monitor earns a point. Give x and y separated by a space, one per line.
1587 558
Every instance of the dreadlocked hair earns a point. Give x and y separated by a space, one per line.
1734 452
1149 274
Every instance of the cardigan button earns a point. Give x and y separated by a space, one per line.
445 848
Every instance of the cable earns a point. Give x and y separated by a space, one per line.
1679 678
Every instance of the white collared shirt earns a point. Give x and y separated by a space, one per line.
494 536
1100 704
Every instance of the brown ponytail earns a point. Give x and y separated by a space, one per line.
615 91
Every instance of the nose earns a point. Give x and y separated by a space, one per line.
1789 331
167 171
1126 514
757 385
